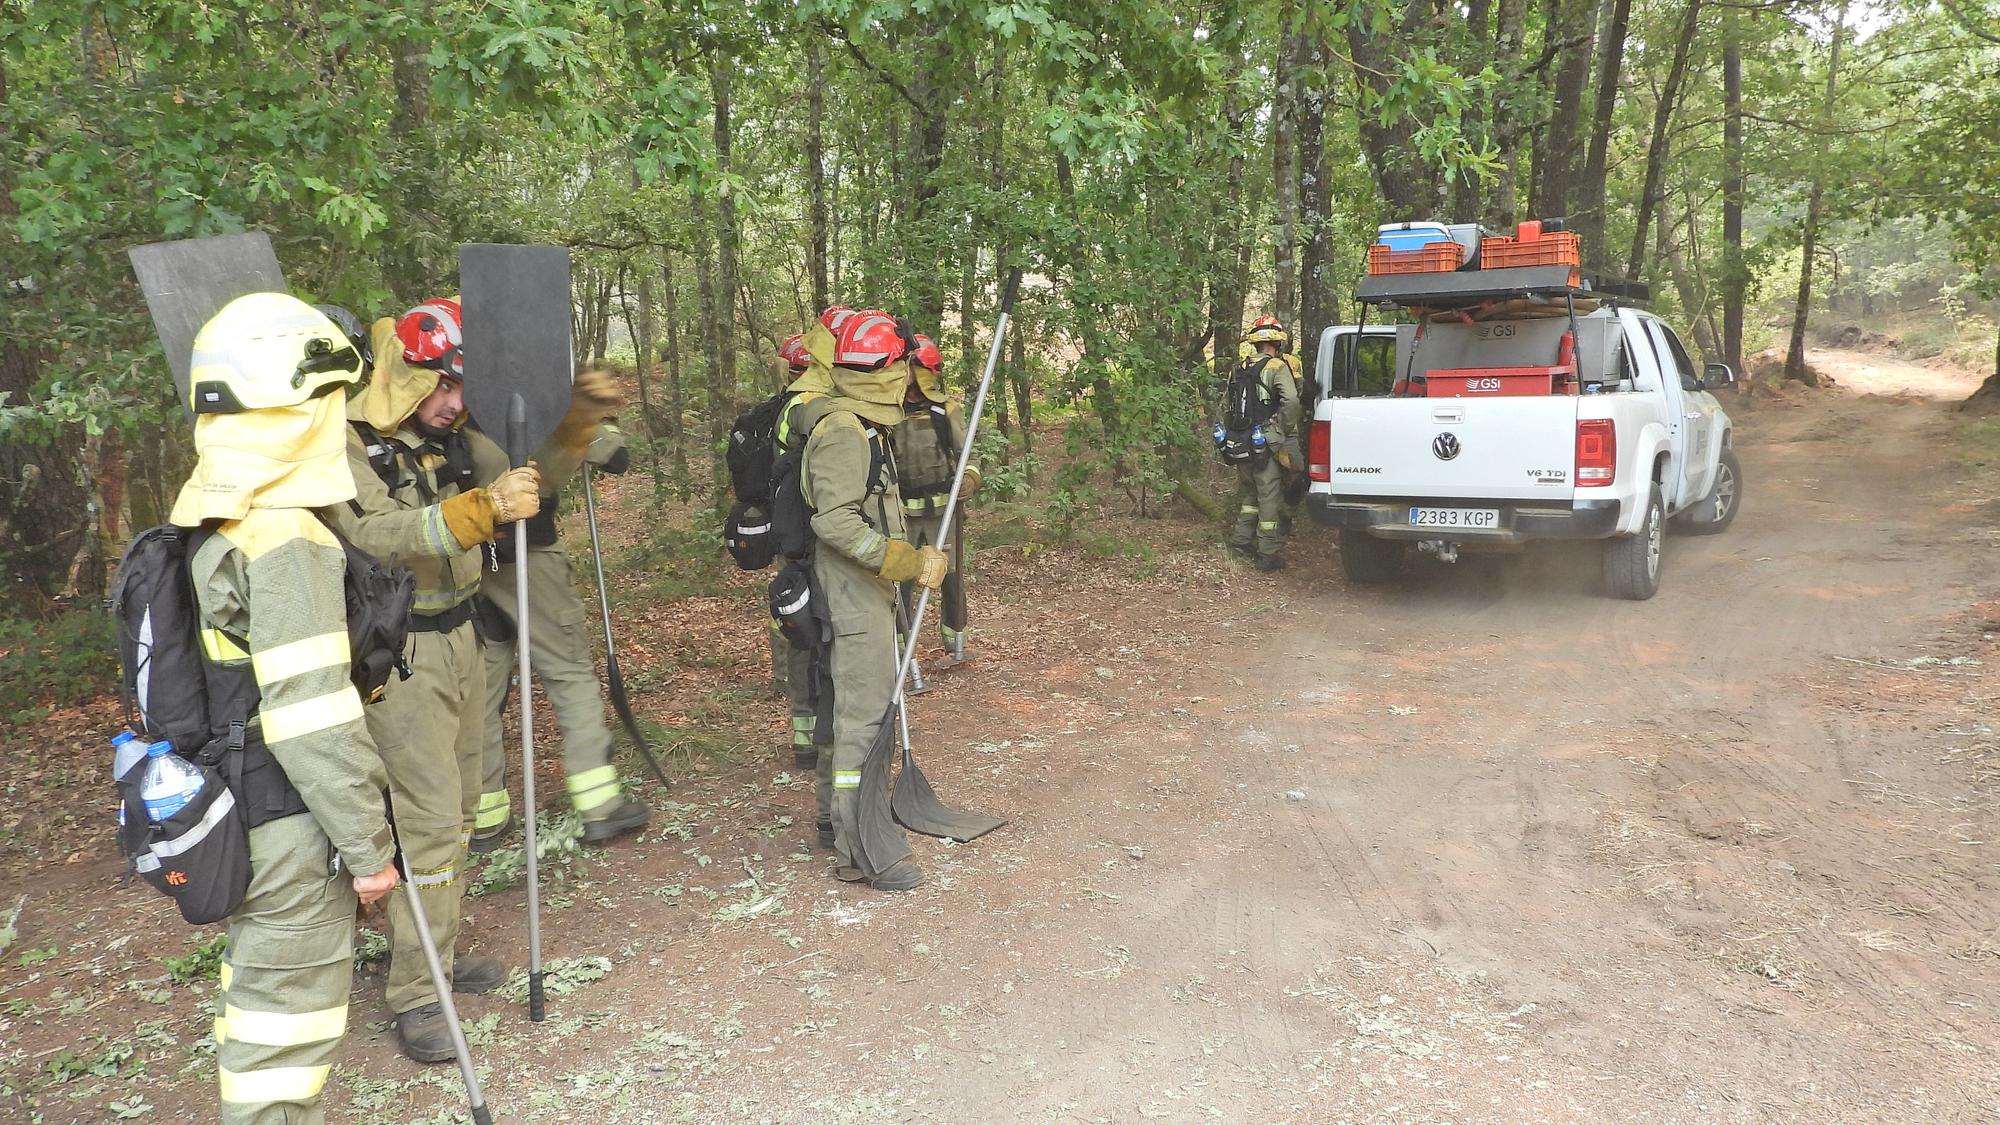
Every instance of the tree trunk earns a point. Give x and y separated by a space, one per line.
816 253
1509 117
1560 141
1226 290
603 347
1795 352
1987 397
640 321
1024 406
410 69
1284 166
713 345
1656 149
925 244
1406 188
727 243
676 404
1466 189
644 354
1316 297
1587 218
1735 275
996 182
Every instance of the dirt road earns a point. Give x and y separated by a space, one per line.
1489 847
1486 847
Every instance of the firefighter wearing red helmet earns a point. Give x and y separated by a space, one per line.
927 443
848 482
433 336
432 494
793 353
810 379
1263 395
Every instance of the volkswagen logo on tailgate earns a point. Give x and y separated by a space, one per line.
1445 446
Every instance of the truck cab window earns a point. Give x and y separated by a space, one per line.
1374 366
1674 357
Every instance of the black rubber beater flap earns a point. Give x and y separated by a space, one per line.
516 304
188 281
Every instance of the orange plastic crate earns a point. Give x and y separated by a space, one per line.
1562 248
1438 257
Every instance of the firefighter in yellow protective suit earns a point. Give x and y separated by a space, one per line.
927 443
269 582
848 482
807 381
429 494
562 661
1262 515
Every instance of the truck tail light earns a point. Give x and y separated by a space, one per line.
1596 452
1319 451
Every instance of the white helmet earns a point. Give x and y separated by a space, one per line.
266 350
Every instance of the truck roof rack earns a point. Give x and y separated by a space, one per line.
1465 288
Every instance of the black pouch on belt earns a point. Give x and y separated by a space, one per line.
490 622
799 607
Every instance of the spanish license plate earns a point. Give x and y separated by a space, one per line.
1456 519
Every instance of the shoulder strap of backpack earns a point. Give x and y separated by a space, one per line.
381 451
941 421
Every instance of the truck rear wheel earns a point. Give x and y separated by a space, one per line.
1632 562
1718 510
1370 560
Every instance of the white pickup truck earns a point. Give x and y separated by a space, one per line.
1466 433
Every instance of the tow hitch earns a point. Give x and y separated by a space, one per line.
1444 549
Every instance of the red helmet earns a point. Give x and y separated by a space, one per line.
433 336
867 339
1269 330
835 316
927 353
793 351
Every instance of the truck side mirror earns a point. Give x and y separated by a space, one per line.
1717 375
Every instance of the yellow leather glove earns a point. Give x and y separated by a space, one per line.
932 565
592 399
1285 461
968 483
469 516
473 515
517 494
900 564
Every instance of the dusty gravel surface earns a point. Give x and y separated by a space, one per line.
1486 846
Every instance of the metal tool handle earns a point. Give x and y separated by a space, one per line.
615 679
517 424
475 1098
916 625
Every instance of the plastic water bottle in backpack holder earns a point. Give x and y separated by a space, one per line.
191 842
1246 407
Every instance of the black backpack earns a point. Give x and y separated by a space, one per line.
752 456
1246 405
753 449
790 515
200 855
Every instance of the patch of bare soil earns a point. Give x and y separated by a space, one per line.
1486 846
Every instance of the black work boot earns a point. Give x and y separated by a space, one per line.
474 975
491 839
824 826
1269 563
425 1035
625 815
902 875
1240 554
